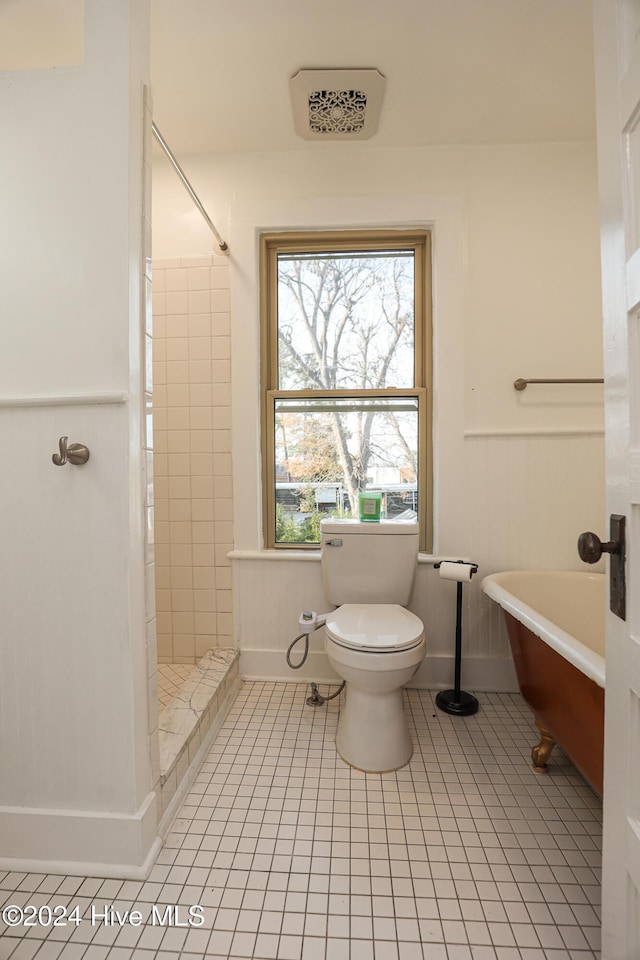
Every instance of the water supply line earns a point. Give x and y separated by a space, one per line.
310 621
317 700
296 666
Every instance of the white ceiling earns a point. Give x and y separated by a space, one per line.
458 71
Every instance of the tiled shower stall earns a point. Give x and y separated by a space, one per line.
193 506
192 456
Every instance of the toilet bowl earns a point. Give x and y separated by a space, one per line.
376 649
372 641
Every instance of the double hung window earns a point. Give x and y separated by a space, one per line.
346 364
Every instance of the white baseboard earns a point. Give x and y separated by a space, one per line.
436 673
80 843
479 674
272 665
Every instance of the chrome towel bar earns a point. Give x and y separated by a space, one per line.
521 383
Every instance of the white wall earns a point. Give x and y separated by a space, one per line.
75 753
39 33
516 294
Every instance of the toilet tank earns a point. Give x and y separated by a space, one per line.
368 562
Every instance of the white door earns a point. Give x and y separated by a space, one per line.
617 57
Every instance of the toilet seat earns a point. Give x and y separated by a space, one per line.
374 627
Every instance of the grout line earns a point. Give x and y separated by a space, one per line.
464 854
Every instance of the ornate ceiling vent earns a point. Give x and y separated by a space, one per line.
336 104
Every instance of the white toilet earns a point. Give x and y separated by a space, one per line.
372 642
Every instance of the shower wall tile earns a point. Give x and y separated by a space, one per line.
192 443
198 278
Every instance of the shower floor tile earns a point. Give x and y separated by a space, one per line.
464 854
171 677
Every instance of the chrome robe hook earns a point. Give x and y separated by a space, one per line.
75 453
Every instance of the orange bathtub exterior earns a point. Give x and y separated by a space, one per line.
566 702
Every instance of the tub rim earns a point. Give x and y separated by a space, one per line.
589 662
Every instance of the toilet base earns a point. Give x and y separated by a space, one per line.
373 735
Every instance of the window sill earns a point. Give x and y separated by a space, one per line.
312 556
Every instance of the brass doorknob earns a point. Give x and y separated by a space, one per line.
591 548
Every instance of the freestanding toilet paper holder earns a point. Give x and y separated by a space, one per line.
456 701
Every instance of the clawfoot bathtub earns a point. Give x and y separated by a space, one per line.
556 626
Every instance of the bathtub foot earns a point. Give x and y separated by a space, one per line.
542 751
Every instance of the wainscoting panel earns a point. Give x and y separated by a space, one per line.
532 495
529 498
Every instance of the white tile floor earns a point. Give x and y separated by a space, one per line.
465 854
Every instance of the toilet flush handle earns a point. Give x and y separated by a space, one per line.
333 543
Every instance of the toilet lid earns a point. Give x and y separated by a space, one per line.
379 627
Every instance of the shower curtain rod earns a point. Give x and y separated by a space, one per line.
194 196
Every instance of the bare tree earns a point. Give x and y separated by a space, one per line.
346 322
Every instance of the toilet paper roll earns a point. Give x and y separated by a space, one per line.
462 572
